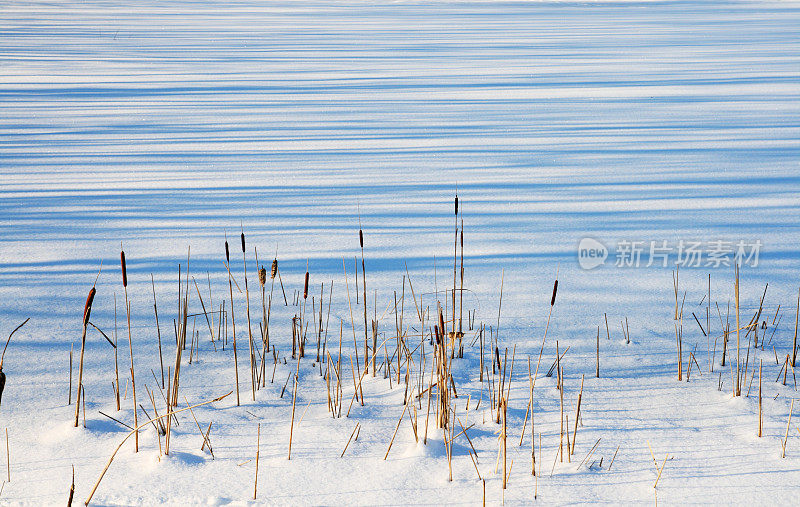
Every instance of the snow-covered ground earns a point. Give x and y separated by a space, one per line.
166 125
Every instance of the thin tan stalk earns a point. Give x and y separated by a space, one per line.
788 423
258 452
577 417
760 366
349 439
291 424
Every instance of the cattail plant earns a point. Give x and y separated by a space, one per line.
455 255
249 327
87 311
547 326
262 280
158 330
130 344
233 321
276 272
364 288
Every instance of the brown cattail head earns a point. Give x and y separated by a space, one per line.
555 289
87 309
456 204
227 252
274 270
124 268
242 242
305 287
361 238
441 321
262 276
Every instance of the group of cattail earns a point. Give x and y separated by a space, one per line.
444 340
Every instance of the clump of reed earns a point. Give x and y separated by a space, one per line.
422 360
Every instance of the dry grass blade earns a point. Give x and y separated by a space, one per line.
349 439
88 302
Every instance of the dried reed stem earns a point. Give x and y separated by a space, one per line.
364 288
761 364
597 363
503 434
738 389
3 356
788 423
71 488
71 346
405 407
258 452
577 417
294 403
349 439
158 331
660 470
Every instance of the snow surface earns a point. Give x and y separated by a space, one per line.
164 125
